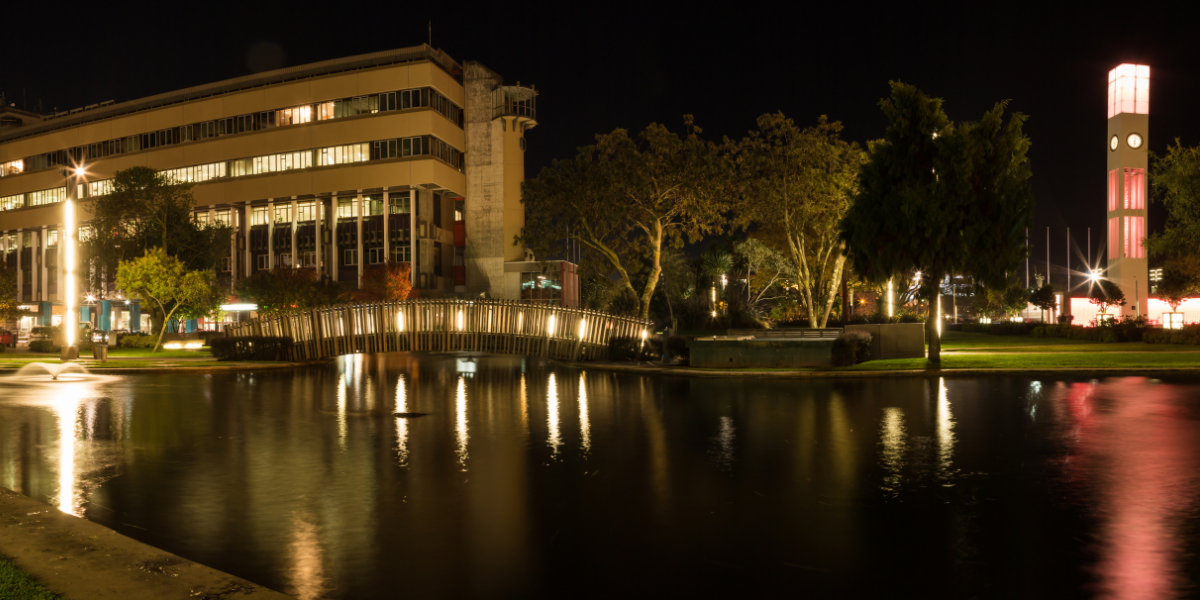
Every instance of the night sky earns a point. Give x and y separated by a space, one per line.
628 64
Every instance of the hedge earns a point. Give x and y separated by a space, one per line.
851 348
43 346
136 340
1120 332
1189 336
250 348
1002 328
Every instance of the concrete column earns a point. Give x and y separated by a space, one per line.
105 316
387 240
135 317
59 270
20 271
244 221
333 241
295 250
414 264
358 200
270 234
320 221
189 326
43 271
234 271
47 313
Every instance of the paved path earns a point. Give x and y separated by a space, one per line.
81 560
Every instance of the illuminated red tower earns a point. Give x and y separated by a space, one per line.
1128 127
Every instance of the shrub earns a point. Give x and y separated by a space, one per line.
677 349
250 348
43 346
630 348
851 348
1002 328
136 340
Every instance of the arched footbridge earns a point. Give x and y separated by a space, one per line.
497 326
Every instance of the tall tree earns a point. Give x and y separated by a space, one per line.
940 198
1175 181
169 285
796 185
285 289
147 209
628 200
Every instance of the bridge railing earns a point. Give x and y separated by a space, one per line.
500 326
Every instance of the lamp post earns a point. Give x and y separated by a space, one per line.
70 351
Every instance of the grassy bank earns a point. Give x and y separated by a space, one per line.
16 584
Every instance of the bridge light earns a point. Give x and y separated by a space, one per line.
550 326
582 327
460 320
400 322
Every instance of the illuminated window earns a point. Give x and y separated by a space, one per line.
202 218
47 196
11 202
52 237
1129 90
324 111
272 163
1135 189
85 233
222 219
294 116
12 167
197 173
1112 190
283 213
374 204
1113 243
306 211
399 203
103 187
1135 232
258 215
347 208
338 155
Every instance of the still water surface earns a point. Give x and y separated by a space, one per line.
527 480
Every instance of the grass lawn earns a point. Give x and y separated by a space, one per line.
1042 360
15 584
958 340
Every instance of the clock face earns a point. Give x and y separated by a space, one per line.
1112 144
1134 140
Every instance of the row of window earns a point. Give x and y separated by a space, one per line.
296 115
346 208
335 155
375 256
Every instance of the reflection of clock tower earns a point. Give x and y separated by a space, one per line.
1128 125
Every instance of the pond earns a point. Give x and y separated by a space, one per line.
530 480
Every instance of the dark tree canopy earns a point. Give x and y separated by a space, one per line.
941 198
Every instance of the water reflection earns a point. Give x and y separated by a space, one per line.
585 427
460 424
401 423
940 487
554 440
893 441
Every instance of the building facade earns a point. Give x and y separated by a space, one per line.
401 155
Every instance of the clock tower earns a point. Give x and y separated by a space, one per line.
1128 126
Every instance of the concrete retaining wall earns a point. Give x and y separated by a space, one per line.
732 354
894 340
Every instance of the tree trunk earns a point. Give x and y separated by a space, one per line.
931 322
163 329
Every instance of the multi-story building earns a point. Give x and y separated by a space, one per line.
333 166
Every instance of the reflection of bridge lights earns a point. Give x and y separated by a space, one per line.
401 423
554 440
585 428
460 406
